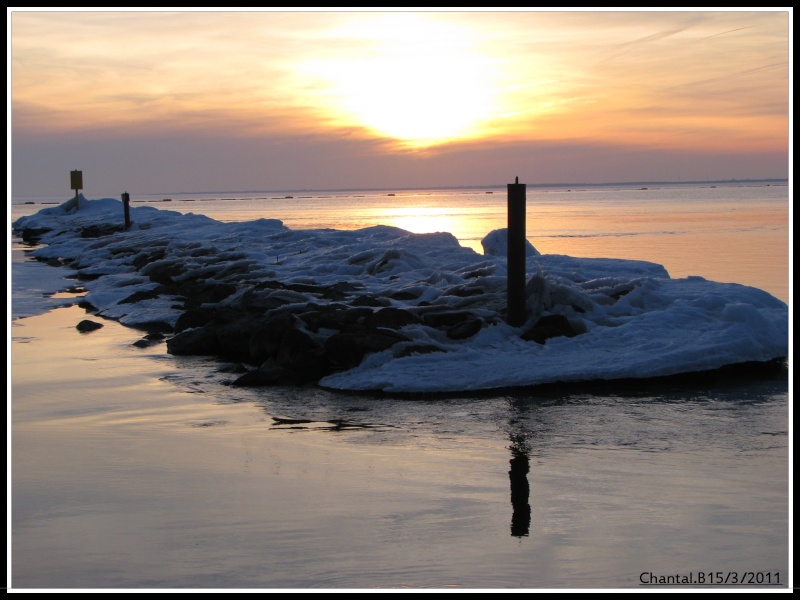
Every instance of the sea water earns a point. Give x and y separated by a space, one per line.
728 232
132 468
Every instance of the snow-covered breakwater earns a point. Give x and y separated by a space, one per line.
384 309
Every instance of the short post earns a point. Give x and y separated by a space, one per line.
76 183
516 253
126 201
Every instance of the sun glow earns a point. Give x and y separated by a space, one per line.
415 79
421 219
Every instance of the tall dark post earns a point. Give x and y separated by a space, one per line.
516 253
76 183
126 201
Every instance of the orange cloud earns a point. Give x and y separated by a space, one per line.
413 80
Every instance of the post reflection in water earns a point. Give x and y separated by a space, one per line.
518 475
520 490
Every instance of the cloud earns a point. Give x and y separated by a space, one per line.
225 88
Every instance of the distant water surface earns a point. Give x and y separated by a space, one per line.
732 233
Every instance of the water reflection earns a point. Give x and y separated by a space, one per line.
635 424
520 491
518 475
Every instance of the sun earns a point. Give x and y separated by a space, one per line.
413 78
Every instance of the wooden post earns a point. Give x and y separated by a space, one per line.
76 183
126 201
516 253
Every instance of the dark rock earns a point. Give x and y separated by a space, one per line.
195 342
385 263
75 289
231 368
234 339
235 268
347 349
369 300
258 301
151 339
31 235
223 332
96 231
339 291
464 329
164 271
87 306
547 327
419 349
334 316
83 276
462 291
404 295
295 347
86 326
391 318
154 327
619 294
195 317
270 284
305 288
142 295
303 356
145 258
265 339
482 272
266 375
199 293
438 318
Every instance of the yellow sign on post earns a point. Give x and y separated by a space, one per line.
76 179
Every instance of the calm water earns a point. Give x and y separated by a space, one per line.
135 469
731 233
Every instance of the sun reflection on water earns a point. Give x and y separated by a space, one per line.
421 219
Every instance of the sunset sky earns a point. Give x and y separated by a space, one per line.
216 101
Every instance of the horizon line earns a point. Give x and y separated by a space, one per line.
455 187
475 187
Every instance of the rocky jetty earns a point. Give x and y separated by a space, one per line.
384 309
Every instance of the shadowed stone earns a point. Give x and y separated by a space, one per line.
86 326
347 349
334 316
266 375
547 327
439 318
265 339
419 349
194 342
465 329
96 231
369 300
391 318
